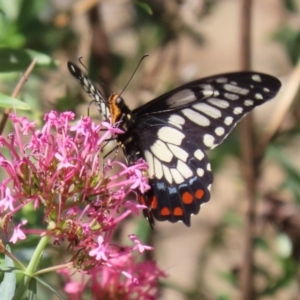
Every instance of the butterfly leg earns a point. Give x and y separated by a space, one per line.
116 149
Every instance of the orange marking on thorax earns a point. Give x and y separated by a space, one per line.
113 108
187 198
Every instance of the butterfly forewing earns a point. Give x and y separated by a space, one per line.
172 131
215 104
90 89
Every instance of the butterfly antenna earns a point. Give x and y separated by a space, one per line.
80 60
142 58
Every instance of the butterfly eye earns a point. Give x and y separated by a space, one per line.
119 100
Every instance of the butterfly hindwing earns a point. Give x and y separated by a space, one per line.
179 171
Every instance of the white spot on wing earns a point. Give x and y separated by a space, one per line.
207 93
196 117
256 78
208 140
200 172
184 169
176 176
218 102
170 135
266 90
231 96
167 174
219 131
228 120
222 80
216 93
199 154
259 96
181 98
161 151
238 110
248 102
176 120
208 167
206 86
158 168
208 110
72 67
85 82
149 159
178 152
235 89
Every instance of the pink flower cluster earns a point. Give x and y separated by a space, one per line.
105 281
59 170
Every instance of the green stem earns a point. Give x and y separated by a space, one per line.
31 268
15 260
55 268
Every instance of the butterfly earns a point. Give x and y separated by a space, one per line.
173 131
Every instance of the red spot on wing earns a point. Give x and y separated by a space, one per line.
178 211
187 198
153 202
165 211
142 199
199 194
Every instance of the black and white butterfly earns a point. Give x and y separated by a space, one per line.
173 131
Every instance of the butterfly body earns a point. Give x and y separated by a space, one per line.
172 131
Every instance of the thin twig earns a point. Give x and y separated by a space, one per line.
16 92
100 52
248 162
281 111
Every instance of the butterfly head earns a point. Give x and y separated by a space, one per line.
119 111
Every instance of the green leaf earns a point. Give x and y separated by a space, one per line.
261 243
144 6
232 219
229 277
223 297
290 5
292 183
290 39
10 102
32 293
8 285
12 60
52 289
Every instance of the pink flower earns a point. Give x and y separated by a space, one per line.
99 252
141 248
73 288
7 201
18 233
139 281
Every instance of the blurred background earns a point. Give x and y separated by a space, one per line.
186 40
